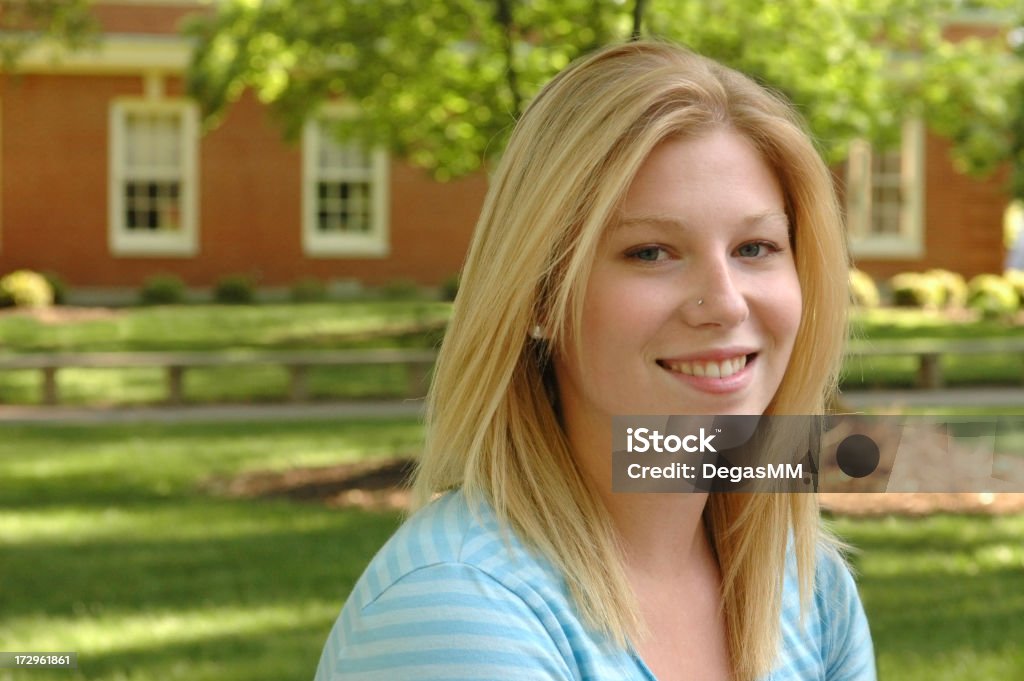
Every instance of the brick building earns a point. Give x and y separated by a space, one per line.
106 179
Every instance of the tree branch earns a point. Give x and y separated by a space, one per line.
504 18
638 19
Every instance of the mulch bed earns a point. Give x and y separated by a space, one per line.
374 485
381 485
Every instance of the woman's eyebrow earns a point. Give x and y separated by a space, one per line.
657 220
768 216
649 220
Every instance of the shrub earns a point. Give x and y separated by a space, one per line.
863 289
954 287
59 288
234 289
25 288
992 295
450 288
400 289
162 289
308 290
1016 279
913 289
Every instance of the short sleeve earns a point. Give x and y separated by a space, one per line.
447 621
849 654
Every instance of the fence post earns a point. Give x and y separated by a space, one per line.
298 390
175 384
51 394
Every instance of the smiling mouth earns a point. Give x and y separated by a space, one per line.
709 369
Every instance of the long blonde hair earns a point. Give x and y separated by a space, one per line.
492 428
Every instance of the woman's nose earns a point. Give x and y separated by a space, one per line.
715 296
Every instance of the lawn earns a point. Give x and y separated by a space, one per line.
375 324
944 595
221 327
109 546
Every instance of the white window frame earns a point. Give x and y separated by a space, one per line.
315 243
908 243
183 242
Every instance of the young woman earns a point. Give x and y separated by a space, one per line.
660 237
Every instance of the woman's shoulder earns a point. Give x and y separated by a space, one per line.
451 590
452 537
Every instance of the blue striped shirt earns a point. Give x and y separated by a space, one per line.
448 598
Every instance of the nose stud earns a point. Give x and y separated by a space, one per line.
700 301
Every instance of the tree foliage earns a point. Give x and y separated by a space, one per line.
1017 124
441 82
24 22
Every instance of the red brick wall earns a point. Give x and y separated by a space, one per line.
54 194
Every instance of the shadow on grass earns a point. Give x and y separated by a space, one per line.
103 575
944 594
288 652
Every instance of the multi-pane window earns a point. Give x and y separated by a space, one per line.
153 177
884 197
345 196
886 192
344 179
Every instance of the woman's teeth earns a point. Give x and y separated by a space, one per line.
722 369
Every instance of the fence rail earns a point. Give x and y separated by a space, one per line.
929 353
175 364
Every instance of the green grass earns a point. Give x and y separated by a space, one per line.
211 327
206 385
901 372
944 595
378 324
109 547
221 327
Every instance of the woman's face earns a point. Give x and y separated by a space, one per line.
693 302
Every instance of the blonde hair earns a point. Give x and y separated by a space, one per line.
492 428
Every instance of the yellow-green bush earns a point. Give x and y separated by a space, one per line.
862 289
24 288
992 295
954 287
913 289
1016 279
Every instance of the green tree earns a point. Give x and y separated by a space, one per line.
441 82
24 22
1017 124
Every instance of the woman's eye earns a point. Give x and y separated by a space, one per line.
649 253
755 249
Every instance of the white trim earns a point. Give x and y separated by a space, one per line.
116 53
184 242
316 244
909 243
